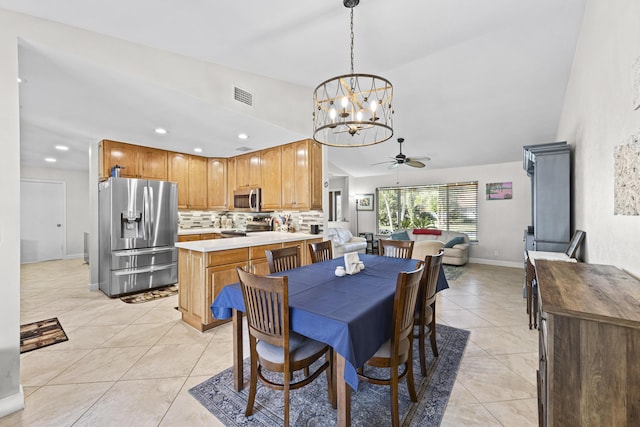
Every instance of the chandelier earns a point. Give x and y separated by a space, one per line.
353 110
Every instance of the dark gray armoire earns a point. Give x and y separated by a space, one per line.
549 166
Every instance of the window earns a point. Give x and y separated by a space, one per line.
451 207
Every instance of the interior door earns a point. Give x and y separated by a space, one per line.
42 220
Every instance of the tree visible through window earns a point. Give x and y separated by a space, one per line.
451 207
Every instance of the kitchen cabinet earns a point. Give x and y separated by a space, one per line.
196 237
191 269
302 175
190 172
589 339
248 171
217 198
231 181
137 161
271 171
305 257
258 258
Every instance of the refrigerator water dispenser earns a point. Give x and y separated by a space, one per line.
131 225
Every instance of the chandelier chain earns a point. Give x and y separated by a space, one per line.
351 82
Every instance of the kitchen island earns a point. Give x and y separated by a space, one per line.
207 266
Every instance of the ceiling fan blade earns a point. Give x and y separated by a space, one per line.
382 163
414 163
394 165
426 159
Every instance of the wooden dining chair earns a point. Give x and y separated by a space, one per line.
398 350
320 251
272 345
396 248
425 316
283 259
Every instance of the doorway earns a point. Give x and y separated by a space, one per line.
42 220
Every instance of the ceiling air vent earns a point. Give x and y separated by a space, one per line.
244 148
243 96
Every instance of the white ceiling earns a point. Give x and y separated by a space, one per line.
474 81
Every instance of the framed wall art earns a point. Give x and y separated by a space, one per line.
499 190
364 202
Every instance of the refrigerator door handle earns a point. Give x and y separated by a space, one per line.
151 269
143 251
151 212
145 213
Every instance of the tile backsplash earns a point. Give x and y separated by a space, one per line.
301 221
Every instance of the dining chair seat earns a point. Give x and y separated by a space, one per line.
384 352
300 348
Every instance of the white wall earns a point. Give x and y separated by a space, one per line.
11 397
501 223
77 203
597 116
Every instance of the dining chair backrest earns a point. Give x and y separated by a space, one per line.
266 300
396 248
432 264
320 251
283 259
574 244
404 304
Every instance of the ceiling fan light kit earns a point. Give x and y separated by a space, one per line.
353 110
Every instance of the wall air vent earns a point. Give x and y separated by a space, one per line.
243 96
244 148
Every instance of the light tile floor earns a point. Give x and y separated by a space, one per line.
133 364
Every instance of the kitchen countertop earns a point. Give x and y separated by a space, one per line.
252 239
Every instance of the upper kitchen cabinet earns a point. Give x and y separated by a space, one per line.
231 181
271 170
217 184
190 172
302 175
137 161
248 171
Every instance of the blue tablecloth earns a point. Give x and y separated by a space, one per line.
351 313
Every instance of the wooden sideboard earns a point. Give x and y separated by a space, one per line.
589 345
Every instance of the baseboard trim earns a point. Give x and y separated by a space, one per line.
74 256
497 262
93 287
11 404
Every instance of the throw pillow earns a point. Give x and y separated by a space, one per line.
455 241
400 235
430 231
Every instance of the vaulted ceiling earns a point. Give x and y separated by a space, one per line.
474 81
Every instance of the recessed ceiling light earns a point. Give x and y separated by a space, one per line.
62 147
243 136
197 150
161 131
50 160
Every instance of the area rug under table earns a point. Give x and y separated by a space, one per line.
150 295
369 404
41 334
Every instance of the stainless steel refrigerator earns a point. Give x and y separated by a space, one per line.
138 227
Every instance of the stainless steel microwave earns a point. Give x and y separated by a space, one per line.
247 200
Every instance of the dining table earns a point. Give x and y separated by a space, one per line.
351 313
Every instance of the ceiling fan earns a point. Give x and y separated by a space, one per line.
401 159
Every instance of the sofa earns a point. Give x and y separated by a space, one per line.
456 254
343 241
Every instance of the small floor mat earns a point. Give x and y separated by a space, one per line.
151 295
41 334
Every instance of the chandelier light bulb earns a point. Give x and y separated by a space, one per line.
332 113
359 115
345 102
